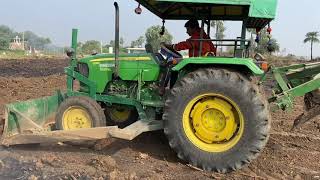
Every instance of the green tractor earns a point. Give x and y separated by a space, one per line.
211 108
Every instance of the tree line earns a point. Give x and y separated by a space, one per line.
31 39
151 37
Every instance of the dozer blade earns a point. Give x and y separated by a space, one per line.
29 117
33 121
59 136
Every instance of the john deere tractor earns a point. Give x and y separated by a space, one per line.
211 108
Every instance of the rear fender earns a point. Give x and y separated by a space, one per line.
241 64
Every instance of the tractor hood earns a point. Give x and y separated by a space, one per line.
258 13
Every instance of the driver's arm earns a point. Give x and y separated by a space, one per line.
184 45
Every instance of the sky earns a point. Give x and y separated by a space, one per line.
95 21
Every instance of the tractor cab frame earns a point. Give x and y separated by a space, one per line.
253 14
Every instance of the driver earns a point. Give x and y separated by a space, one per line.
194 31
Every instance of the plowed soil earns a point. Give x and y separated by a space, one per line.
288 155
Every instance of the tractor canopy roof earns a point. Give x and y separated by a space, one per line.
258 13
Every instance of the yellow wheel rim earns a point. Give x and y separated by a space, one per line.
76 117
213 123
119 114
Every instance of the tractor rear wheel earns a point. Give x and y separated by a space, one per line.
216 119
79 112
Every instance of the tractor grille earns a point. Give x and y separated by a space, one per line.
83 69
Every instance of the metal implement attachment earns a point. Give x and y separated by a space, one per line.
298 80
136 129
294 81
306 116
312 108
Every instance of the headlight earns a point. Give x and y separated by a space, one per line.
83 69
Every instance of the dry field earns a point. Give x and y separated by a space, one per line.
288 155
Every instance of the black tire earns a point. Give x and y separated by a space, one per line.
243 93
89 105
121 123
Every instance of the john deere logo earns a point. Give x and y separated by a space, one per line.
105 67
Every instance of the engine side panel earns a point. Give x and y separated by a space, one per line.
102 68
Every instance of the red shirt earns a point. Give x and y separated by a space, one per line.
194 46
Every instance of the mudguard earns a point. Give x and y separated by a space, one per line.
246 62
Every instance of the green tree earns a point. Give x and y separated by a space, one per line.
312 37
138 42
90 47
79 47
265 45
6 34
5 31
252 32
112 43
121 46
220 30
154 38
121 42
35 41
4 43
133 44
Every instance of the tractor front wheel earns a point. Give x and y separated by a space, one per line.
79 112
216 119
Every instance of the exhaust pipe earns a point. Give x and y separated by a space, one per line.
74 44
116 39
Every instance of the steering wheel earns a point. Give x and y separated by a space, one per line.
169 51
